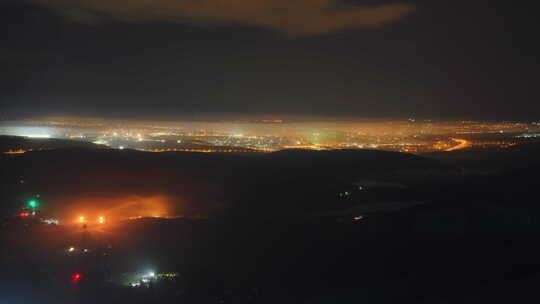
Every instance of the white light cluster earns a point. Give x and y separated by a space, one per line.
50 221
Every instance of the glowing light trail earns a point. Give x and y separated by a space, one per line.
462 144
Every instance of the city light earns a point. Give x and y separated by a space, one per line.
82 219
410 135
50 221
18 151
462 144
24 214
76 277
71 249
101 220
32 204
167 275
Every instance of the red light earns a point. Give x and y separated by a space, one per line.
76 277
24 214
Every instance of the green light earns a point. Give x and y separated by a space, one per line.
32 204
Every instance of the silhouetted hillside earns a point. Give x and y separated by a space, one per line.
286 182
14 143
492 159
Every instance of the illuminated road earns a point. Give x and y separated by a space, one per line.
20 151
462 144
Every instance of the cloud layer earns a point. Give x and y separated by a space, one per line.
294 17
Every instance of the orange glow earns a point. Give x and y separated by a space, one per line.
307 147
20 151
217 150
462 144
107 210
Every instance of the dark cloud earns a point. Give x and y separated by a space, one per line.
294 17
447 59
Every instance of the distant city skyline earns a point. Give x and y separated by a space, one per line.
404 135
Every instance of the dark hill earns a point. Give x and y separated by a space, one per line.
13 143
287 182
492 159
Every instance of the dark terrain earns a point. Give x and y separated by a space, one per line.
272 228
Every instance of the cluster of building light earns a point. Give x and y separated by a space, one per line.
50 221
529 135
144 279
411 135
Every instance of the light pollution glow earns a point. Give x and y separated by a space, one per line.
96 210
267 135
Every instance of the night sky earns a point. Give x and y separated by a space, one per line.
166 58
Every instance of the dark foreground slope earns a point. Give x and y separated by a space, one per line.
420 256
475 242
507 177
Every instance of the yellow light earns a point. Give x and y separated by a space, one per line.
81 219
20 151
71 249
101 220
